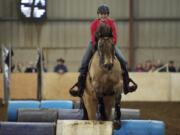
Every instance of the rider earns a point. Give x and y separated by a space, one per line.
103 17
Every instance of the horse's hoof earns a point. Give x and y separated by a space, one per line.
117 124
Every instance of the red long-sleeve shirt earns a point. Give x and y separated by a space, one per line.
94 25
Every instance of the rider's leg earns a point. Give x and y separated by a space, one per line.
78 91
126 78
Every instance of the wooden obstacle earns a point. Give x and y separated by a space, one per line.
76 127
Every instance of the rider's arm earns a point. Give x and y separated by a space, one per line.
93 30
114 31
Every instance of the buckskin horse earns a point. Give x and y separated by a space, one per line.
104 82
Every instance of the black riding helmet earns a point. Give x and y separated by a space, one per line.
103 9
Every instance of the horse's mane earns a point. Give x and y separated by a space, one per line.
103 30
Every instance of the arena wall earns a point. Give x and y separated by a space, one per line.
151 86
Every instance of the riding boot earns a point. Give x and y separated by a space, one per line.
78 88
126 79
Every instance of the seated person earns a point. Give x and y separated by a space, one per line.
30 68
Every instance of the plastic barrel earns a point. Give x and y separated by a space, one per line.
70 114
37 115
127 113
15 105
141 127
21 128
57 104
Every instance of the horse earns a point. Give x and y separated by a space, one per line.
104 82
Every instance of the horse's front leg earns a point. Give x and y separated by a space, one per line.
101 114
117 112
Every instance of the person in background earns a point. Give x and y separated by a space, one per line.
147 66
139 68
60 67
178 69
171 66
30 68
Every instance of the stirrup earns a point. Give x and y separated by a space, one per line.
75 93
133 87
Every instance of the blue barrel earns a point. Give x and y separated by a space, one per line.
37 115
70 114
141 127
13 107
57 104
23 128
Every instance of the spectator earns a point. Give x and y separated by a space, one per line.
158 64
60 67
139 68
19 67
179 69
153 68
171 66
31 68
147 66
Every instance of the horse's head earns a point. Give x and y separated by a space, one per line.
105 46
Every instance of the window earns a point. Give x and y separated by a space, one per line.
33 9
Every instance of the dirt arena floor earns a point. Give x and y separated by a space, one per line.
169 112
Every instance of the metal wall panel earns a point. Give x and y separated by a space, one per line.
157 8
123 34
85 9
9 8
157 34
53 34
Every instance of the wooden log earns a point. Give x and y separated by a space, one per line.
82 127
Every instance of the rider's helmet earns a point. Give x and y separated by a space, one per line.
103 9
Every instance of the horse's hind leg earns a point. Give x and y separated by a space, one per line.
101 114
117 112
